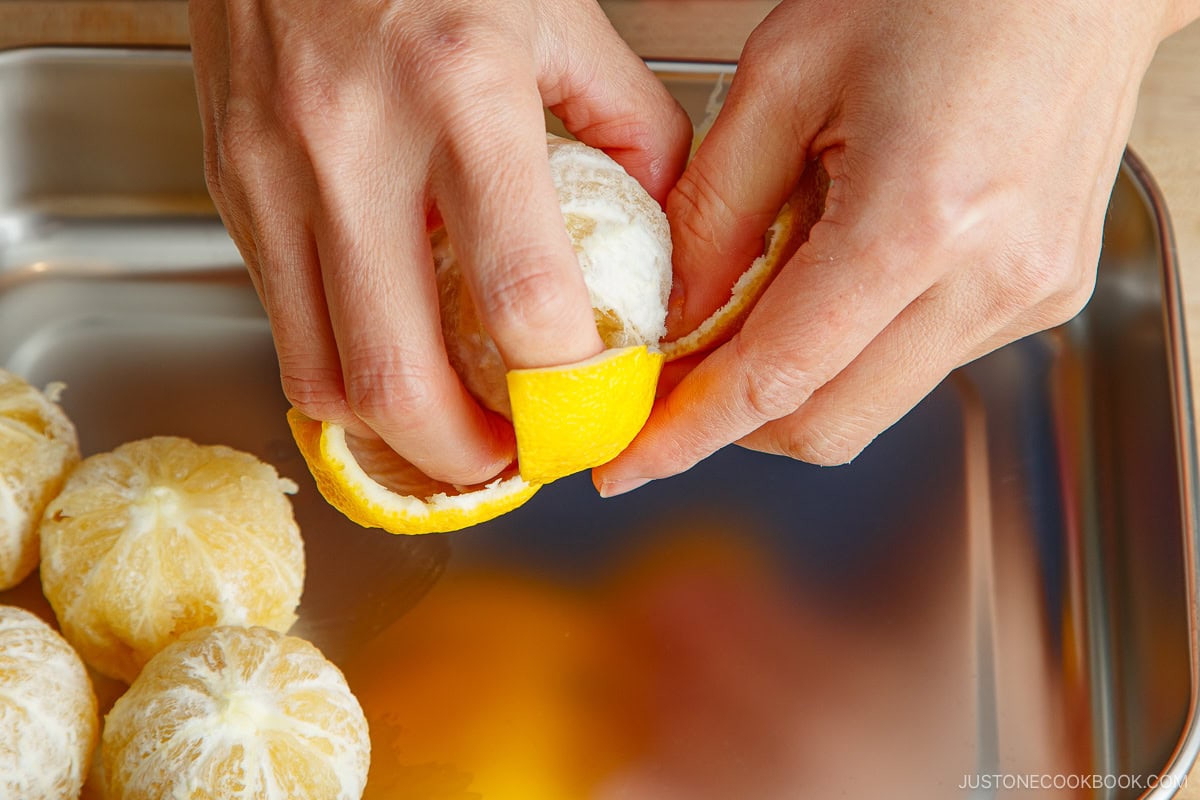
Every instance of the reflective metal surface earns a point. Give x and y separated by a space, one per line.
992 601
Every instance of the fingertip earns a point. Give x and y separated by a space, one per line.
643 460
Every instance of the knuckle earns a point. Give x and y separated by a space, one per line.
698 209
315 391
1043 277
692 201
826 447
1065 304
1050 273
387 386
685 206
239 147
1078 295
522 301
772 389
463 53
760 56
322 114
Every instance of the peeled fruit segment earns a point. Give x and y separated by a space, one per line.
237 714
48 719
38 446
377 489
163 536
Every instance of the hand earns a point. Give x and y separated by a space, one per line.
337 134
972 152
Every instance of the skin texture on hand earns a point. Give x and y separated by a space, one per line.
972 151
338 134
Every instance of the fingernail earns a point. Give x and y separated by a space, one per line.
614 488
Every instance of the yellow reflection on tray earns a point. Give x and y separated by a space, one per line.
498 686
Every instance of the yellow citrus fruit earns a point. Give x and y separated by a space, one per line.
566 418
38 446
236 714
375 488
48 721
163 536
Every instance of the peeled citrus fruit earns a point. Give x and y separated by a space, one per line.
38 447
622 243
236 714
162 536
48 722
567 418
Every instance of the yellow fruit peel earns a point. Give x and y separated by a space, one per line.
568 419
348 487
728 319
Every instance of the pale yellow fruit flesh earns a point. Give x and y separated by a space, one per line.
162 536
237 714
38 447
48 719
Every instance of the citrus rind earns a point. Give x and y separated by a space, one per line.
726 320
568 419
347 486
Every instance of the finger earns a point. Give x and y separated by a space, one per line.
835 295
907 361
939 332
383 305
209 30
607 97
737 182
495 194
294 297
813 321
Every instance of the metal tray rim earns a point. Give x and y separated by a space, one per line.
1187 751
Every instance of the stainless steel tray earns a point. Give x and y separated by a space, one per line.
993 600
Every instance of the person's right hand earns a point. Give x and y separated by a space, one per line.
337 133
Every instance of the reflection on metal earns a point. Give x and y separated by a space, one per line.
997 591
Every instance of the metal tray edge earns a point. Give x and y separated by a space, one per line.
1181 762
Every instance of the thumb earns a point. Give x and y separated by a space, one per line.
746 168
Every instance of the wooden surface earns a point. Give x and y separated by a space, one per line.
1166 132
